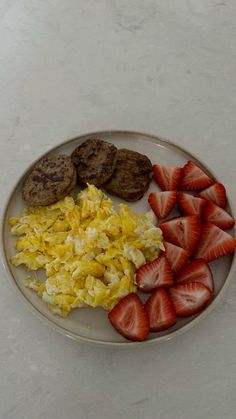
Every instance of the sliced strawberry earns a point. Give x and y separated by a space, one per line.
215 193
196 271
162 202
129 318
218 216
214 243
194 178
160 311
190 205
176 256
168 178
154 274
182 231
188 299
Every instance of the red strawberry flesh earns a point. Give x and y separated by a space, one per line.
167 178
215 193
193 177
214 243
162 202
218 216
154 274
129 318
196 271
190 205
160 311
189 299
176 256
182 231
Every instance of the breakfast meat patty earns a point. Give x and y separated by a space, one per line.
95 161
50 180
132 176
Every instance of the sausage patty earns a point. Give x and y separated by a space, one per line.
95 161
132 176
50 180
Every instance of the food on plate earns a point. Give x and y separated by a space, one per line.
130 318
95 161
196 271
96 256
131 177
160 311
154 274
51 179
162 203
190 298
193 177
182 231
214 243
168 178
190 205
218 216
176 256
89 250
215 193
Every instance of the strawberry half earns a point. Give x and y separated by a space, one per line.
168 178
215 193
188 299
194 178
196 271
214 243
129 318
176 256
182 231
190 205
218 216
154 274
162 202
160 311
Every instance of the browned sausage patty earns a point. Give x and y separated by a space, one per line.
95 161
132 176
50 180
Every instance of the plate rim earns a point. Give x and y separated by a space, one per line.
92 341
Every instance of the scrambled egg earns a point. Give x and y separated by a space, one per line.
89 251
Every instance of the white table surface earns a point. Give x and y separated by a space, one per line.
165 67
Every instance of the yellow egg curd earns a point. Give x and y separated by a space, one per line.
89 251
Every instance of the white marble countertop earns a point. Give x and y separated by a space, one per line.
68 67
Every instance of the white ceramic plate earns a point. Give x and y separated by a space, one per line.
92 325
